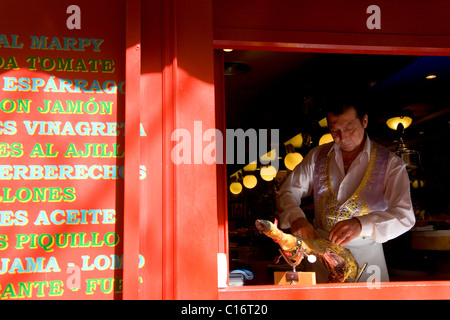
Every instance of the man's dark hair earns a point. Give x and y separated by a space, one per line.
339 106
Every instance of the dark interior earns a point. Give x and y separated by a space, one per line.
287 91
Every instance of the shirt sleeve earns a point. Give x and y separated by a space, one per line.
399 216
298 184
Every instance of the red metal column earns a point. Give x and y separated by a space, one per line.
222 190
190 200
132 152
152 145
168 116
178 218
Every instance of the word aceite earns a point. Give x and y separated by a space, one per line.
59 217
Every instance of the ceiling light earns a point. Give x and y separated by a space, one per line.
323 123
292 158
268 172
394 122
235 185
431 76
252 166
227 50
297 141
235 188
250 181
399 122
269 156
416 184
326 138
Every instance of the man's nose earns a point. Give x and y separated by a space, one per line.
337 137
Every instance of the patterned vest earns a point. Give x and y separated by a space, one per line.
368 196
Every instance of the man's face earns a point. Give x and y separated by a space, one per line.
347 129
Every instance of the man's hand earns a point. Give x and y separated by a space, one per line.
345 231
303 229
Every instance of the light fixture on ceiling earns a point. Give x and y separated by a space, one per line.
228 50
418 183
292 158
252 166
269 156
235 185
268 172
296 141
326 138
399 122
431 76
403 120
250 181
323 123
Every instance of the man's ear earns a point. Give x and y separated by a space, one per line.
365 121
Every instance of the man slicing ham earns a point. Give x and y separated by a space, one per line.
361 191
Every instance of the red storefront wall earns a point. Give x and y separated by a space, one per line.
178 227
175 216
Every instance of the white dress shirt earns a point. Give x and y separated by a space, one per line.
380 225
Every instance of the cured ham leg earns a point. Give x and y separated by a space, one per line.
337 259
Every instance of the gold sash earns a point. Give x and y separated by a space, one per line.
330 212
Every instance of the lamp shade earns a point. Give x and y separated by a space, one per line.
393 122
250 181
252 166
296 142
292 160
416 184
323 123
269 156
268 172
235 188
327 137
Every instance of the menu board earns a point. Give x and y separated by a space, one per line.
61 149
